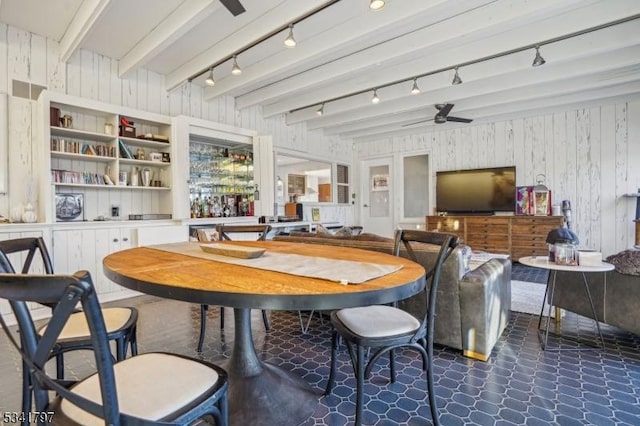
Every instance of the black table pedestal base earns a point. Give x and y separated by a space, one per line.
262 393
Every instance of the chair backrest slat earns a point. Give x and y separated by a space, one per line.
447 243
225 230
27 248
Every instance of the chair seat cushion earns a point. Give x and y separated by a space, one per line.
150 386
378 321
114 319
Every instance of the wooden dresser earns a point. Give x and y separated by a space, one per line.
517 236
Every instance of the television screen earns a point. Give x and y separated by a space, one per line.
476 190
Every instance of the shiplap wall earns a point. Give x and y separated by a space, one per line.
589 156
31 58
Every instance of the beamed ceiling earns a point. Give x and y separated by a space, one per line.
591 48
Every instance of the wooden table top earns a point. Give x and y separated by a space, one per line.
181 277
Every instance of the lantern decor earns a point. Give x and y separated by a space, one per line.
541 197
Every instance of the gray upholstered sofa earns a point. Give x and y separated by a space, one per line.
473 306
616 303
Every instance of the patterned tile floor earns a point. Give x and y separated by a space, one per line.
519 385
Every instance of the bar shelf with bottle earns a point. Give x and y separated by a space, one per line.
220 181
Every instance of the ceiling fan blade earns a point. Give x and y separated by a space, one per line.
234 6
445 110
459 119
418 122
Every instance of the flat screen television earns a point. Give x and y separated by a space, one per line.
476 191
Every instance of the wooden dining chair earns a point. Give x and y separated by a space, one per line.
152 388
382 329
120 322
223 234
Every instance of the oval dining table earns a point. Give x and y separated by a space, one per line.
260 393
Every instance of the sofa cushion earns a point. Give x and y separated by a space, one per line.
626 262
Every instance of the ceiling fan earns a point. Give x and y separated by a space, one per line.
233 6
442 116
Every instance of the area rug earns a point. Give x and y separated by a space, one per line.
527 297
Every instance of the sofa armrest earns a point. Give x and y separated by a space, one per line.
485 303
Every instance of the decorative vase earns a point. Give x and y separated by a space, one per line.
29 214
146 177
134 176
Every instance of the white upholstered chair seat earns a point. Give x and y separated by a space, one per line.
114 319
144 393
378 321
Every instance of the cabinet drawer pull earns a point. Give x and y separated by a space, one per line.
115 240
125 239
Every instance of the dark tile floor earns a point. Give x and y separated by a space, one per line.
519 385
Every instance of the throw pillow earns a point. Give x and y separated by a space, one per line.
345 231
626 262
321 230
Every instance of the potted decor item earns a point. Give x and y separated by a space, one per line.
563 246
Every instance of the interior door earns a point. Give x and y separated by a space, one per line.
377 189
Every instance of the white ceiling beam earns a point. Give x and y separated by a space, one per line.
438 30
483 93
444 58
285 12
86 16
177 24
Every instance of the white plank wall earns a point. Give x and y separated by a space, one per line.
588 156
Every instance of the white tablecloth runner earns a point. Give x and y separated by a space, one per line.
342 271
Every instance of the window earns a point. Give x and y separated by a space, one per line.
342 183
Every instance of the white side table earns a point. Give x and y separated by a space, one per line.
543 262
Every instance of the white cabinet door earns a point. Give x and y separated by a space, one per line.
84 250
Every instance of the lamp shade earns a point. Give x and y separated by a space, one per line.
562 235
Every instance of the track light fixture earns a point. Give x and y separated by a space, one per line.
290 42
539 60
375 99
320 110
236 70
210 81
376 4
415 89
456 78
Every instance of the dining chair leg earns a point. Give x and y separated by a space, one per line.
60 366
332 366
133 341
221 317
26 392
121 348
265 319
430 385
392 366
203 325
224 409
359 368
